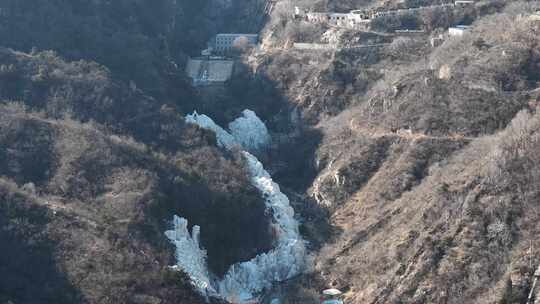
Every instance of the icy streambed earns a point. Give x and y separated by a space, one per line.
244 280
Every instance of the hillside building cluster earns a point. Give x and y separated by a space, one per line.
356 19
352 19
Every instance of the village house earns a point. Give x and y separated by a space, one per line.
359 17
339 19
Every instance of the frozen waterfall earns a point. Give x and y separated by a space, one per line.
188 251
224 139
248 131
244 280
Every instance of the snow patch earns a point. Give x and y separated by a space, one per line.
244 280
250 132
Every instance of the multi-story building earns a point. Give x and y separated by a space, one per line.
225 43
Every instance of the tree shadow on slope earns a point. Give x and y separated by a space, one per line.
136 41
25 150
223 216
29 271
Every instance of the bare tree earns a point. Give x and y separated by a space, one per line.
241 43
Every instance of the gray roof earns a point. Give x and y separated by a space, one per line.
209 70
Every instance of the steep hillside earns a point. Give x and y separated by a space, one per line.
461 233
410 155
87 91
106 167
132 39
144 43
108 200
424 156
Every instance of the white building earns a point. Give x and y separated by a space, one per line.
336 19
459 30
317 17
360 17
226 42
348 20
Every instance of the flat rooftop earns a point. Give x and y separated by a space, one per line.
209 70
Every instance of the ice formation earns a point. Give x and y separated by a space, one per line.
244 280
224 139
250 132
247 131
190 257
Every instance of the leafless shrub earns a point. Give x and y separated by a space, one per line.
303 31
404 47
516 8
499 231
436 18
282 14
516 162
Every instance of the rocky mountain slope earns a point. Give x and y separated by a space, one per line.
425 158
106 200
95 160
411 158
